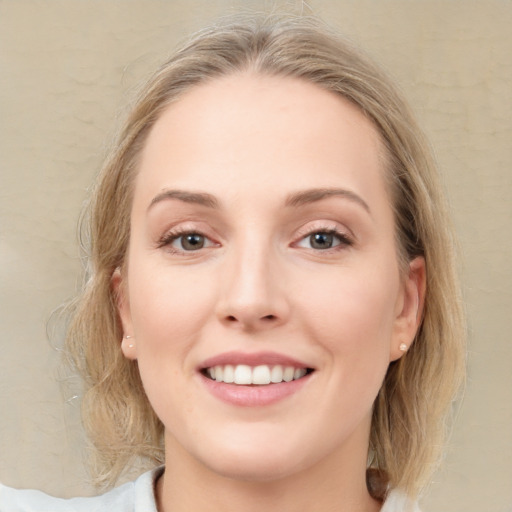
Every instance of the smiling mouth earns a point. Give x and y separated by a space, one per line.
260 375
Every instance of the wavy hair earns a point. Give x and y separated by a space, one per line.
409 416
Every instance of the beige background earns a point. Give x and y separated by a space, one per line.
66 68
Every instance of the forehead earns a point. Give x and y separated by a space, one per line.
251 129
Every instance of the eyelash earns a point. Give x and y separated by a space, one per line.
170 237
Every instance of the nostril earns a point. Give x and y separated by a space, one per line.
232 318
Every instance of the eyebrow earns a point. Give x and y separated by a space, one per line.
296 199
201 198
317 194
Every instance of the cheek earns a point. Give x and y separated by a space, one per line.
168 306
168 310
351 313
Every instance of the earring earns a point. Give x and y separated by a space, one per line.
131 345
403 347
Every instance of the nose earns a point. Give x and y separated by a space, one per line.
253 292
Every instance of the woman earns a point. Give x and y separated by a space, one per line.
272 309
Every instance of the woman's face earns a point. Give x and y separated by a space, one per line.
262 249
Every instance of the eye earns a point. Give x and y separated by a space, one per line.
323 240
190 242
185 241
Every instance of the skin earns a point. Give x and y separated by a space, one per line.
251 142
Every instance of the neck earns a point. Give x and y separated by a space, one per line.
188 485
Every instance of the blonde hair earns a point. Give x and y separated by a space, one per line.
408 425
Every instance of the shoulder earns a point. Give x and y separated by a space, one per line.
397 501
137 496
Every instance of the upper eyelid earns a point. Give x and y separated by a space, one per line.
328 226
188 226
197 223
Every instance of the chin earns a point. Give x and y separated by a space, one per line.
256 458
257 468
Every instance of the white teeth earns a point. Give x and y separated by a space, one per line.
229 374
243 374
259 375
288 373
276 375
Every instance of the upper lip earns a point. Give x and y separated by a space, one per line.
259 358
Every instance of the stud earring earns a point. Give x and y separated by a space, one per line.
403 347
131 345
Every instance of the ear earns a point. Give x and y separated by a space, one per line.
120 292
409 311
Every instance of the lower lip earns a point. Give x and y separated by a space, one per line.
253 396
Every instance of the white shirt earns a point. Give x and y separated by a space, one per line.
137 496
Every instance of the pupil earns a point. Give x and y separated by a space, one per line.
321 240
192 242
